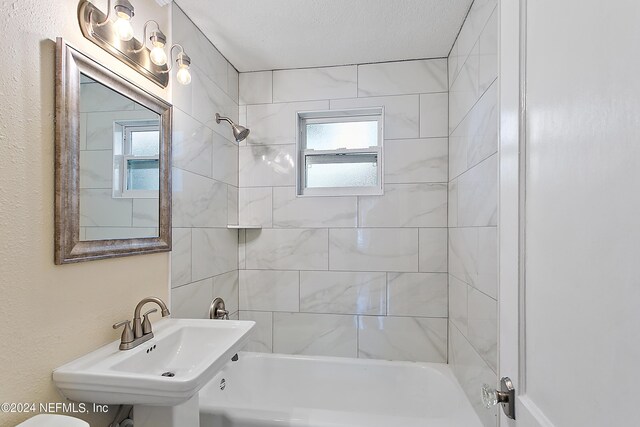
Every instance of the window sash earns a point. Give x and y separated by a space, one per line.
138 126
132 193
341 119
334 159
320 159
121 162
341 154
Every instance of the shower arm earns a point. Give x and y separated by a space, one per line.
239 132
219 118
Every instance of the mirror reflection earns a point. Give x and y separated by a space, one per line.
119 165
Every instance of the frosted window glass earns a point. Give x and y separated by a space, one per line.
143 174
145 143
341 171
331 136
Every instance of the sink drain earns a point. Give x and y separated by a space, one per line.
169 374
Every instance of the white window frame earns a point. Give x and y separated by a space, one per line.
122 137
338 116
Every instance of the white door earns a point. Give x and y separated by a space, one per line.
570 211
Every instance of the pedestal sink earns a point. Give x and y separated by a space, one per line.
162 376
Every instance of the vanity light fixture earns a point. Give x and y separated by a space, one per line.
117 38
157 54
183 75
158 40
124 12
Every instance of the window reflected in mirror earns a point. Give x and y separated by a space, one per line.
119 165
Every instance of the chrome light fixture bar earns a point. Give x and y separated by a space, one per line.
117 39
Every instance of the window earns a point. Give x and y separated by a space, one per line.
340 152
136 159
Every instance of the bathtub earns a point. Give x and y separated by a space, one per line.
261 390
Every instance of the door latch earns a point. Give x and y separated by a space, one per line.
506 397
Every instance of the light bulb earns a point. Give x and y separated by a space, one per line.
124 29
158 56
183 75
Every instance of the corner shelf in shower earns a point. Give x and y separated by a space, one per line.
244 227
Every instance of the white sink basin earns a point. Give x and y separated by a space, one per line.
192 350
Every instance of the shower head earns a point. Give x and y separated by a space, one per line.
240 133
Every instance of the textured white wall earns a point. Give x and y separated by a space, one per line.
52 314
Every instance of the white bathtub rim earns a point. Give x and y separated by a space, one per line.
442 368
300 416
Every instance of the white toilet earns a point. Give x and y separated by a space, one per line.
53 420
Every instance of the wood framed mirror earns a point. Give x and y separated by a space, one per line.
112 164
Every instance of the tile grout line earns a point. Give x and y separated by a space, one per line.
475 102
329 249
357 98
357 336
448 186
350 314
299 291
358 81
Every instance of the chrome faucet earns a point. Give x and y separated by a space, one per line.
141 331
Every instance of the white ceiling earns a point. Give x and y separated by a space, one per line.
274 34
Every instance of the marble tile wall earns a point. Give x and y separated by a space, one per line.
473 198
204 260
347 276
410 275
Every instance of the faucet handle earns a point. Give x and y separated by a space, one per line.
217 310
127 332
146 324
